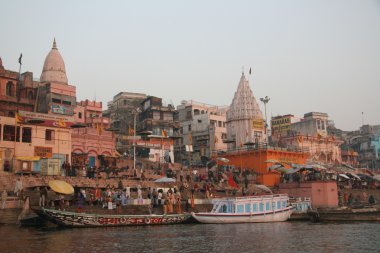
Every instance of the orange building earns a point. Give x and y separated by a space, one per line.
255 159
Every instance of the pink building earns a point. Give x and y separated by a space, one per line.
91 145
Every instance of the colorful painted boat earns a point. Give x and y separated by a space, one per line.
265 208
73 219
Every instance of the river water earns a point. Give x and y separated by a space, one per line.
260 237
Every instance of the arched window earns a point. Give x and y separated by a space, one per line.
30 95
79 115
9 89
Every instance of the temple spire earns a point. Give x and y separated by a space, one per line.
54 44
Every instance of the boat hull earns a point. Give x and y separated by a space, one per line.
359 214
72 219
223 218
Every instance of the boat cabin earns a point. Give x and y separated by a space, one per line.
251 204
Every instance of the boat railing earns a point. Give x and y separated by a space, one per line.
256 197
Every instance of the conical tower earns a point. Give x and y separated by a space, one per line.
245 123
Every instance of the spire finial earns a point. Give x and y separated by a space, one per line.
54 44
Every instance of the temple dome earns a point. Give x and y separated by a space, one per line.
54 67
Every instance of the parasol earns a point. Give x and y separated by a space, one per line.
271 161
263 188
60 186
165 180
222 159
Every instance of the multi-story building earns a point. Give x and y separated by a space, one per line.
40 137
366 142
16 93
91 144
121 112
280 125
156 124
310 135
202 127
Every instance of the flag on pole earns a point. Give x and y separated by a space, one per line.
18 118
164 133
190 137
20 58
250 70
216 139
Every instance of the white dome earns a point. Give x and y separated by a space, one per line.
54 67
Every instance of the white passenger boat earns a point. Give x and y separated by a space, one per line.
264 208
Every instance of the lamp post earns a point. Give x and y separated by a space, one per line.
136 112
265 101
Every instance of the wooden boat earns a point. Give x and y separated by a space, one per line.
364 213
73 219
265 208
300 208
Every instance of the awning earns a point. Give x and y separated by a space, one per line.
344 176
355 176
28 158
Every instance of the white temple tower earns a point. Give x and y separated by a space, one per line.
245 122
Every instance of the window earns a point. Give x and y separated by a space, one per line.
278 204
219 123
283 203
255 207
79 115
199 121
267 206
261 206
49 135
9 89
27 134
248 208
240 209
66 102
9 133
56 100
30 95
189 128
161 115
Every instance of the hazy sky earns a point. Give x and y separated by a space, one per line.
305 55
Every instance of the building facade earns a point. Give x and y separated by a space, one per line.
310 135
201 127
156 126
366 144
121 112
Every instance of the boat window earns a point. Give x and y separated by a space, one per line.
267 206
240 209
248 208
254 207
278 204
261 206
223 209
284 204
